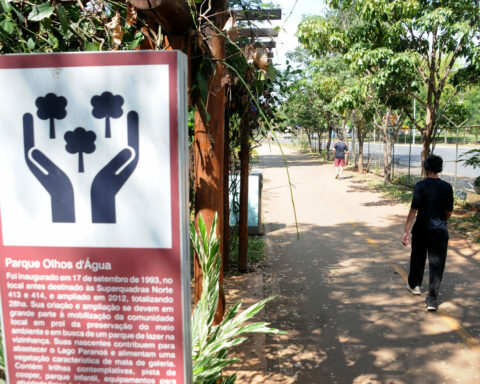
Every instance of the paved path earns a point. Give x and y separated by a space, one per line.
341 294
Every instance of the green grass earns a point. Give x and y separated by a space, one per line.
468 225
397 190
466 216
255 253
256 249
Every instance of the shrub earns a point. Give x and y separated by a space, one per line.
211 343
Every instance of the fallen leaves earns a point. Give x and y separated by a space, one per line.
117 30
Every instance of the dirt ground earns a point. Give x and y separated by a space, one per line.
341 292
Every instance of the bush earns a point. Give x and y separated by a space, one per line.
211 343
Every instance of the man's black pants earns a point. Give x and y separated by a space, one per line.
436 248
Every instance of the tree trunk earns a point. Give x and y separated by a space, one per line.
387 155
387 162
309 138
344 130
360 137
244 173
427 135
329 140
209 147
432 107
319 136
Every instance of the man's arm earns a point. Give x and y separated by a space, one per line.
448 215
408 225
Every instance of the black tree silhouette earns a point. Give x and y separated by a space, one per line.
51 107
105 106
80 141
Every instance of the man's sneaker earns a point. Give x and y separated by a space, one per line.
336 176
431 304
414 291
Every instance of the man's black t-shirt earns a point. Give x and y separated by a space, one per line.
340 148
433 198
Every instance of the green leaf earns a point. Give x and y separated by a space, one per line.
6 6
136 40
30 44
231 379
40 12
52 40
21 18
7 26
202 84
92 46
62 17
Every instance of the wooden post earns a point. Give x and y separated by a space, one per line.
244 171
209 145
226 194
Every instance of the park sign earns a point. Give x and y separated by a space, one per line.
94 243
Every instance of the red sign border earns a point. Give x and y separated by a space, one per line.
125 58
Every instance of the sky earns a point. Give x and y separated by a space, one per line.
292 12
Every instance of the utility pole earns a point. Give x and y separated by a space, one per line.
414 117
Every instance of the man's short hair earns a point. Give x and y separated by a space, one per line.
433 163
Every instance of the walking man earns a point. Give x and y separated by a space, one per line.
340 150
432 205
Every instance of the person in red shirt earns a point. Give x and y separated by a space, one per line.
340 150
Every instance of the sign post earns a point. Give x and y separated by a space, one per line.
94 246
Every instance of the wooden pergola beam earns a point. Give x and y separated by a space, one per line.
259 44
173 15
257 32
258 14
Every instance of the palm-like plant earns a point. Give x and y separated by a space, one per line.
211 343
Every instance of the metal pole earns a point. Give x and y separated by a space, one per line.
456 162
414 117
409 161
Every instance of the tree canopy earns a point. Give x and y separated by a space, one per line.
404 50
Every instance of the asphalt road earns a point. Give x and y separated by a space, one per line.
447 152
341 292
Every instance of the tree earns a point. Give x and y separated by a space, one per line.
355 99
310 100
106 106
80 141
389 124
51 107
439 40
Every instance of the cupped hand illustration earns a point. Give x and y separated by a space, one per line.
53 179
111 178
